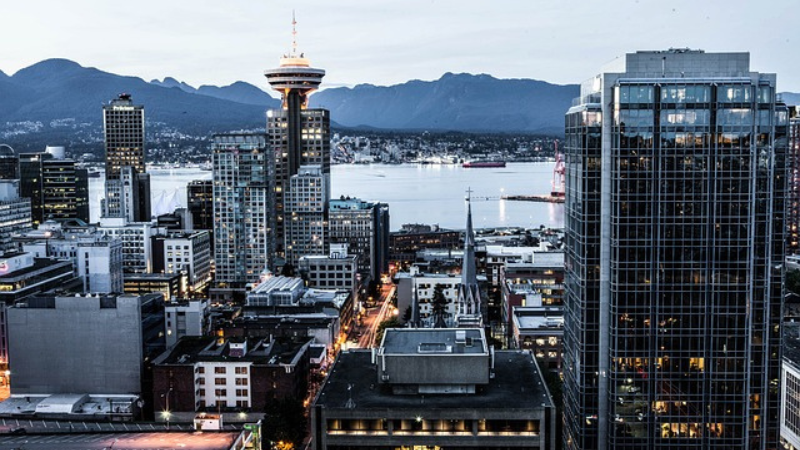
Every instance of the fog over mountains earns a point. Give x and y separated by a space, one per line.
57 89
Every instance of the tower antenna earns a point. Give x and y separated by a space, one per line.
294 35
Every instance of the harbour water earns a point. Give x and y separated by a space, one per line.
431 194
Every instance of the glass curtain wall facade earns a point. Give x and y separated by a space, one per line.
675 228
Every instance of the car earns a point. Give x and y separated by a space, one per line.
18 430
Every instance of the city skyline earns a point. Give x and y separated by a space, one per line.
391 43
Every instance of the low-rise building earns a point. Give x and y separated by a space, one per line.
186 318
22 276
170 285
790 387
234 377
540 330
338 270
433 388
96 257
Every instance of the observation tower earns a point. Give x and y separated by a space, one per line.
295 79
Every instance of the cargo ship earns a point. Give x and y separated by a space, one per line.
483 164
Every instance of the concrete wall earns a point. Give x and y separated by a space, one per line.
76 347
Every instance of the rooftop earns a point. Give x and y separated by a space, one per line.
191 350
517 384
433 340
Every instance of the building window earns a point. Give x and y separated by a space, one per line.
219 370
242 393
221 392
241 370
219 381
241 381
201 369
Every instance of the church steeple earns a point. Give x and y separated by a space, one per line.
469 298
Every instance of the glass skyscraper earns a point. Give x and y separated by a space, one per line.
675 230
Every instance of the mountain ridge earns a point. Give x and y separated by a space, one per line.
57 89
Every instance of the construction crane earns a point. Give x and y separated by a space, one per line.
558 174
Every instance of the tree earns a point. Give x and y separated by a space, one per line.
407 314
439 305
284 425
389 323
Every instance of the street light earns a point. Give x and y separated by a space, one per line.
166 414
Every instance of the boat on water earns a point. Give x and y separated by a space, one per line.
483 164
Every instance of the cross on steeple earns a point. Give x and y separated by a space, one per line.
469 193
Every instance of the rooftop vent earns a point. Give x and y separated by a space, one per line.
433 347
461 336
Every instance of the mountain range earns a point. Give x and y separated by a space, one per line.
57 89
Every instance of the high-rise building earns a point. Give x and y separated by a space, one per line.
243 218
57 189
127 183
298 135
794 182
306 207
9 163
200 201
675 186
364 227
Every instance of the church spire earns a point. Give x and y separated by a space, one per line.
469 298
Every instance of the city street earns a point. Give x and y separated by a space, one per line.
374 316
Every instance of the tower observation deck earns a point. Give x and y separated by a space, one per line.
295 79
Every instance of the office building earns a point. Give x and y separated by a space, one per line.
235 377
794 183
57 189
137 249
186 318
23 276
9 163
200 201
415 293
790 387
411 238
364 227
127 183
15 214
96 258
307 208
338 270
184 252
170 285
675 232
243 226
298 135
105 354
433 388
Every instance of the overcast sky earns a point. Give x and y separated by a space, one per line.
391 41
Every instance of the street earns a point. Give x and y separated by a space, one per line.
374 316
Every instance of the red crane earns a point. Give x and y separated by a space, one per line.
558 174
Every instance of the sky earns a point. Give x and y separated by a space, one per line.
387 42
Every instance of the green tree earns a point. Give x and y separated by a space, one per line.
438 305
284 424
389 323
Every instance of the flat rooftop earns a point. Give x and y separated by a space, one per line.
414 341
517 384
191 350
121 441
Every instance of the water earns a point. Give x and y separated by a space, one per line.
415 193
